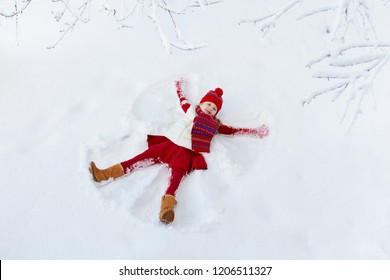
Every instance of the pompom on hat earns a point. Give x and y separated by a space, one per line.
214 96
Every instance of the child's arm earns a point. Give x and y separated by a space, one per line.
260 132
183 100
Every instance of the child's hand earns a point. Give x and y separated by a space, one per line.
262 131
179 86
180 82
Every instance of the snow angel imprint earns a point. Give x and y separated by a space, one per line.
181 147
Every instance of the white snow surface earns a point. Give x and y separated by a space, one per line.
314 189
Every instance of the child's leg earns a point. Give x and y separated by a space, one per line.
112 172
167 215
177 175
118 170
144 159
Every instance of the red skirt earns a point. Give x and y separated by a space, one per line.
175 155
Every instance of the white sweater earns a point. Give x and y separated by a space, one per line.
180 132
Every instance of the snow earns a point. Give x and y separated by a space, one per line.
316 188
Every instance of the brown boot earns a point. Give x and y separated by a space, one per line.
167 215
99 175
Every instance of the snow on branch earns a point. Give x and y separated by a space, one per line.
162 13
353 70
371 65
349 13
317 11
269 21
350 68
353 13
180 42
340 51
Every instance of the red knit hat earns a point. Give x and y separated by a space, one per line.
214 96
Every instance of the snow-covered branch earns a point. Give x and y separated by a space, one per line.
162 13
351 72
353 13
317 11
269 21
337 53
180 42
351 68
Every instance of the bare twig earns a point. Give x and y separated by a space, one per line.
17 22
125 16
20 9
76 17
170 10
202 4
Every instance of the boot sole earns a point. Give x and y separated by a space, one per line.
92 171
167 217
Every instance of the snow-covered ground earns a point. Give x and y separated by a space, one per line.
316 188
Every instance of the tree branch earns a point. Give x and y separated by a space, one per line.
317 11
270 20
155 9
76 17
17 11
360 81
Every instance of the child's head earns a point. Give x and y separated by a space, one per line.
211 103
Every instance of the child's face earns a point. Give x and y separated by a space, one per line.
208 108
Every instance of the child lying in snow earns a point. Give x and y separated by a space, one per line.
182 146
